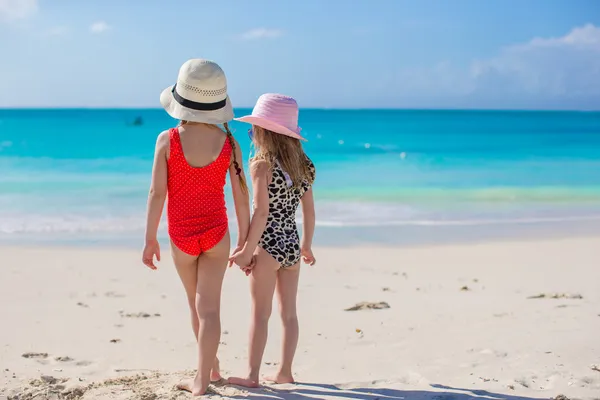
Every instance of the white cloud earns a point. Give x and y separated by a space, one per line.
553 72
563 66
261 33
17 9
99 27
585 36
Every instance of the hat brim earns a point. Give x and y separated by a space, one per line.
177 111
271 126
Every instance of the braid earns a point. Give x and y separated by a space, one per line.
236 165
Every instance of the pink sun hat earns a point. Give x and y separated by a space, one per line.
277 113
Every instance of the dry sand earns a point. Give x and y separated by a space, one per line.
452 322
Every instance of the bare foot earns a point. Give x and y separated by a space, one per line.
189 386
281 378
215 372
246 382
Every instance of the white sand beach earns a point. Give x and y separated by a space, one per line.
80 323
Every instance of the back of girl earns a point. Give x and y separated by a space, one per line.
282 178
191 162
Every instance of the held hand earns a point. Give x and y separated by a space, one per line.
307 256
151 250
235 251
248 270
243 258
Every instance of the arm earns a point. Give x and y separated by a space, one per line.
156 200
308 226
259 171
240 199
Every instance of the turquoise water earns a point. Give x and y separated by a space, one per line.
85 173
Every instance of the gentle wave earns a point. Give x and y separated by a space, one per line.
492 194
441 223
134 224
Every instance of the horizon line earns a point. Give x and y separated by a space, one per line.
61 108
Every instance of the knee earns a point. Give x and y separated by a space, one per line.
261 314
208 315
207 312
288 317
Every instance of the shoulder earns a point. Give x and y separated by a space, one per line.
259 167
163 141
163 138
309 162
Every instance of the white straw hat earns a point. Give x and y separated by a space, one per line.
200 94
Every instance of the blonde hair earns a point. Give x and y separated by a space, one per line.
272 147
236 165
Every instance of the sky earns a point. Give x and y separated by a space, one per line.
535 54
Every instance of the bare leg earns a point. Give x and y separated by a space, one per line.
187 268
287 292
262 286
211 267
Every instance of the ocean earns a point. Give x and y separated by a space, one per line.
81 176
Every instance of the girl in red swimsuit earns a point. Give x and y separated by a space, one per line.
190 167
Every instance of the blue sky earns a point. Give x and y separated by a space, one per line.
326 53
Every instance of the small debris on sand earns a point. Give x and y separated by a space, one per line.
63 359
561 397
385 289
464 289
522 382
115 340
80 304
138 315
595 367
114 295
556 296
35 355
365 305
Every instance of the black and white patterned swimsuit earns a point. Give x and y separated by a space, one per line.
280 238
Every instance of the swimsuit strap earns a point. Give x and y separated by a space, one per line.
175 151
288 181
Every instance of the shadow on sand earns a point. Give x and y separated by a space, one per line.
311 391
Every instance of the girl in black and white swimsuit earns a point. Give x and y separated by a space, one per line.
282 178
280 238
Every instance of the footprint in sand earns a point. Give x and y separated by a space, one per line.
83 363
138 315
365 305
556 296
39 356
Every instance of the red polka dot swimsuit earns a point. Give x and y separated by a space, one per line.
196 212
